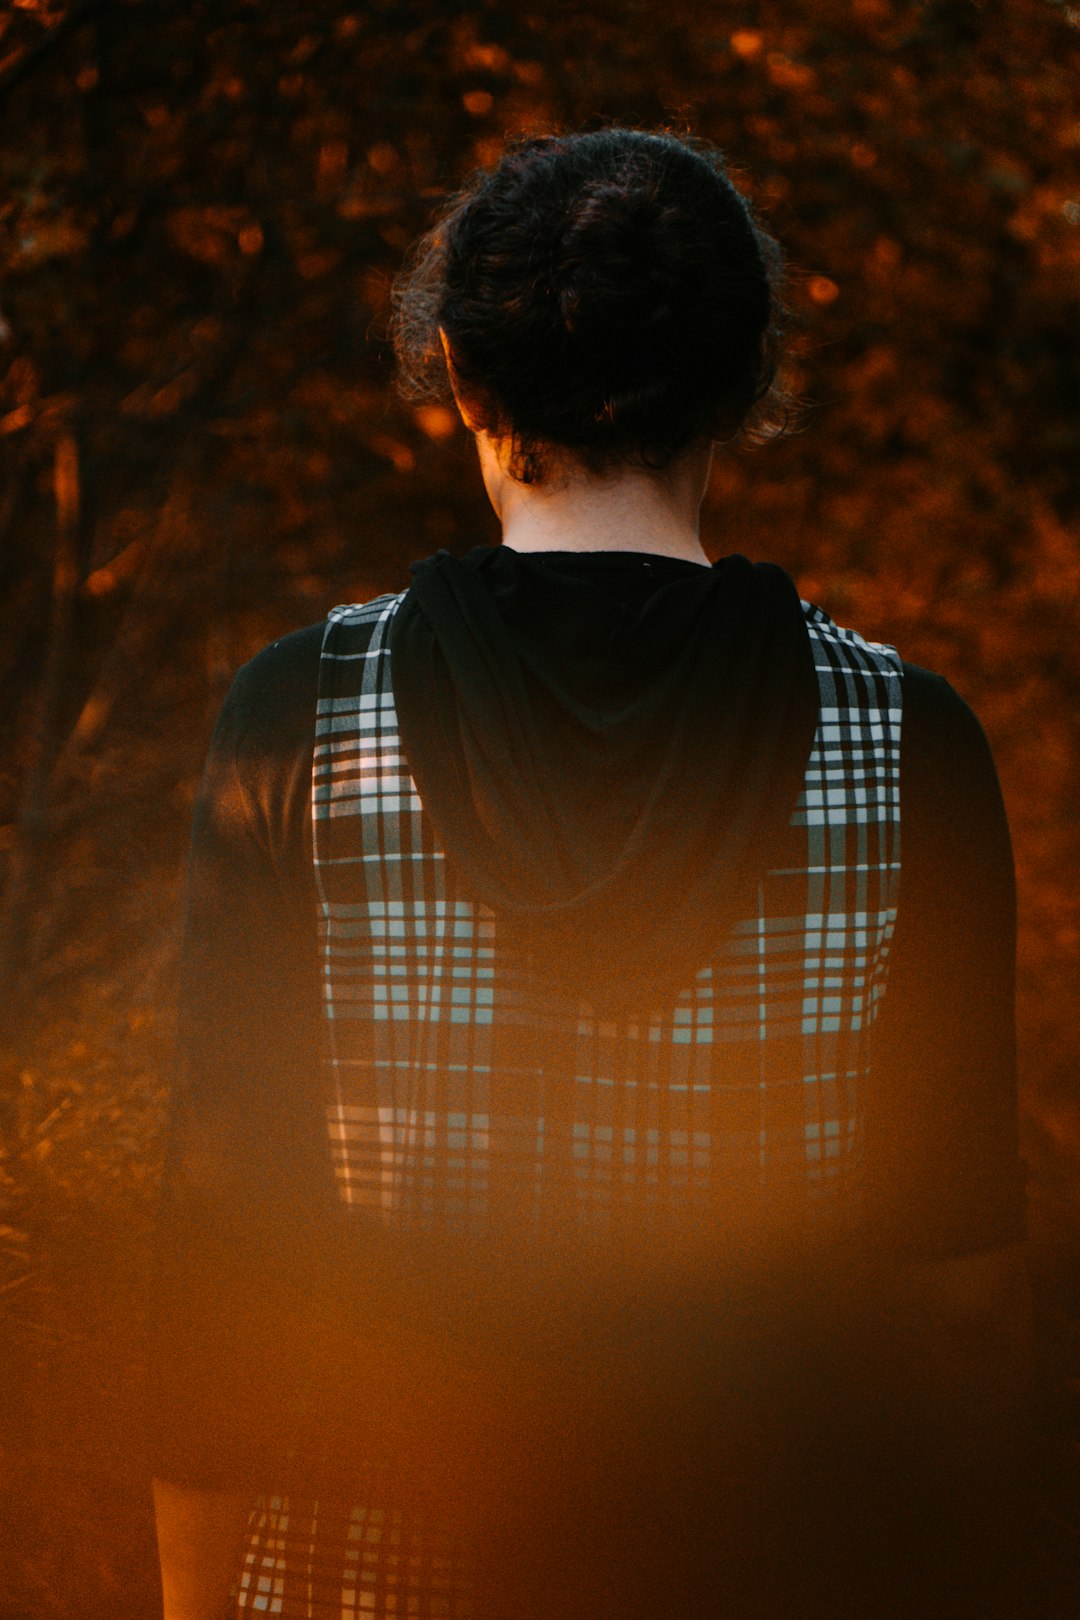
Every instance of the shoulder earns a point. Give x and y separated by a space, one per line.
933 702
957 839
943 738
271 702
940 730
269 710
283 676
260 757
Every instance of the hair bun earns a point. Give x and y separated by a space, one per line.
611 272
606 294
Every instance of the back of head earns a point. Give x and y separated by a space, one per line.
608 294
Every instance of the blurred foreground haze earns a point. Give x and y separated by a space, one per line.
201 209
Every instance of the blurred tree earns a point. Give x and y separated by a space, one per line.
201 209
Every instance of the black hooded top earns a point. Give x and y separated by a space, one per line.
532 690
607 763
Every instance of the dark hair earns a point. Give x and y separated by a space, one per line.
610 294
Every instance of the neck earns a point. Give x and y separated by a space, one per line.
632 510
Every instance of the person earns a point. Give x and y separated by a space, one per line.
592 1182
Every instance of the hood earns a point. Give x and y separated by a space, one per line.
609 770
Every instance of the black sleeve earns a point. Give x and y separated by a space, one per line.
943 1157
247 1174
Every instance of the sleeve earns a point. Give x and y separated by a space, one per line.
247 1172
943 1155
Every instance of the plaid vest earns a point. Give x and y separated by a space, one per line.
462 1091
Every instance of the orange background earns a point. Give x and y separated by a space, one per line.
200 212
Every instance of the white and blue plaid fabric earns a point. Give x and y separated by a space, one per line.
463 1090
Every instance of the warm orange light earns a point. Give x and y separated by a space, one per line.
823 291
746 42
382 157
437 421
333 162
788 74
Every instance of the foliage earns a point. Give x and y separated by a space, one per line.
201 207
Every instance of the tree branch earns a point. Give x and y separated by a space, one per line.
31 827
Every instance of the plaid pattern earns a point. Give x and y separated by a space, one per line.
462 1091
310 1560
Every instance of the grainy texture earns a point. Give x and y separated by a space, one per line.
201 207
